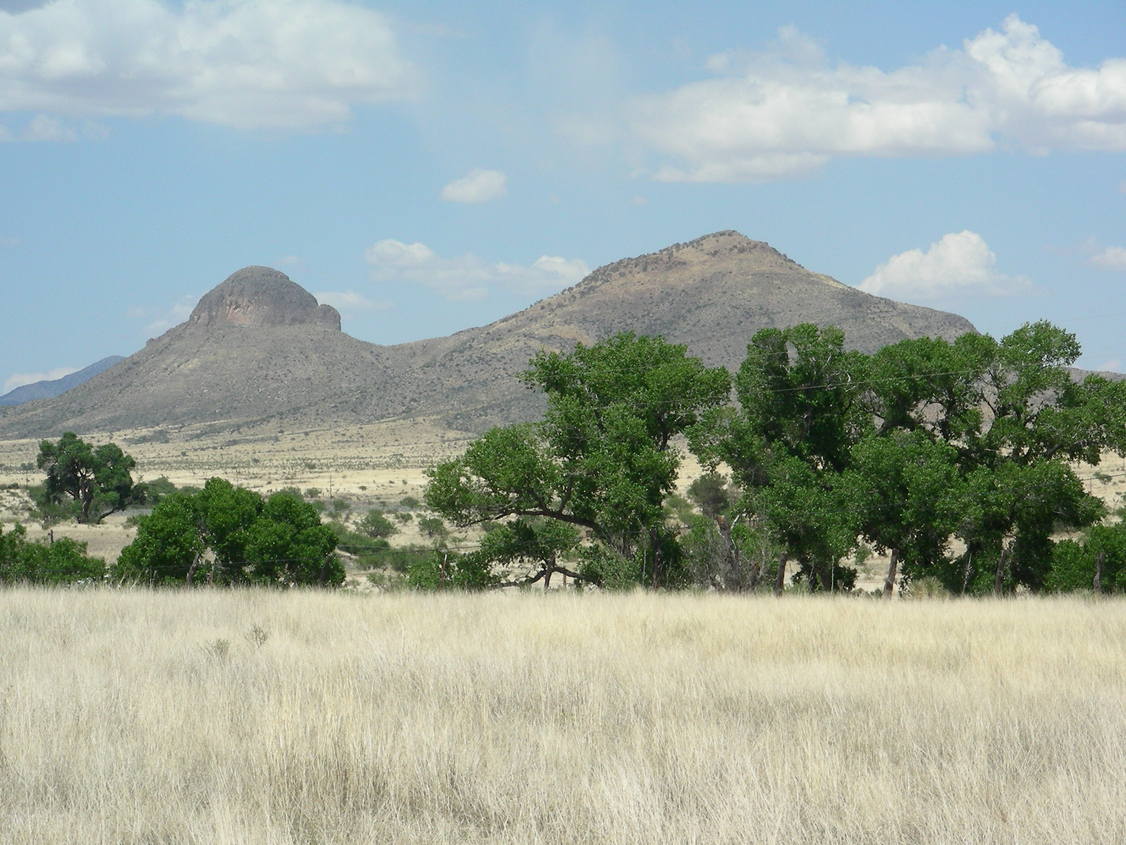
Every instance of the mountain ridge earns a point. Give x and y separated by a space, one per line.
259 347
50 388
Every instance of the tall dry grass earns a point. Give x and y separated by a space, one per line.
625 719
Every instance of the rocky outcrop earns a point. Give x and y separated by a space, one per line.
261 296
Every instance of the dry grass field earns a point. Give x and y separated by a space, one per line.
260 717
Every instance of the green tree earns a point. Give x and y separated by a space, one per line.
602 459
98 479
1017 420
232 536
63 561
374 524
1097 562
799 414
906 491
711 494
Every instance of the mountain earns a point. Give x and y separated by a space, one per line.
259 348
710 294
48 389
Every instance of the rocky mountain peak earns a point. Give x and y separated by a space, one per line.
261 296
719 249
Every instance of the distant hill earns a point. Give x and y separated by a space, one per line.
259 348
48 389
710 294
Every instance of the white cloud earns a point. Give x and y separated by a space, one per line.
159 320
46 128
1110 258
241 63
348 301
20 379
786 111
476 186
1114 365
468 277
957 263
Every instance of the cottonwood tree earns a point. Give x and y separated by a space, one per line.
227 535
907 495
787 442
1017 420
602 459
98 479
63 561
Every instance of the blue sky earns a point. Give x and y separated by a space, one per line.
427 166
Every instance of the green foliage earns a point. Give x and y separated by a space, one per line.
907 495
62 562
152 492
711 494
98 479
368 551
1074 564
443 570
49 510
434 528
375 524
229 535
410 502
601 459
922 442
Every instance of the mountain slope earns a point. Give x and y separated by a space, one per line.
711 294
49 388
259 347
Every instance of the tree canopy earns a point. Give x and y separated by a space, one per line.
225 534
98 479
601 460
957 458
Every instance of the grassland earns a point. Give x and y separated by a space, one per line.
260 717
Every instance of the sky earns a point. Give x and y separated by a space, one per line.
427 166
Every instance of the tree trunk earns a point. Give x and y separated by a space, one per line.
999 574
1097 583
825 575
893 571
780 577
547 580
191 570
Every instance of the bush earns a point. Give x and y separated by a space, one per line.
48 511
62 562
375 524
152 492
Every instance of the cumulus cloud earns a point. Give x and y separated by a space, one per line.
957 263
349 301
476 186
1110 258
20 379
241 63
786 111
468 277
